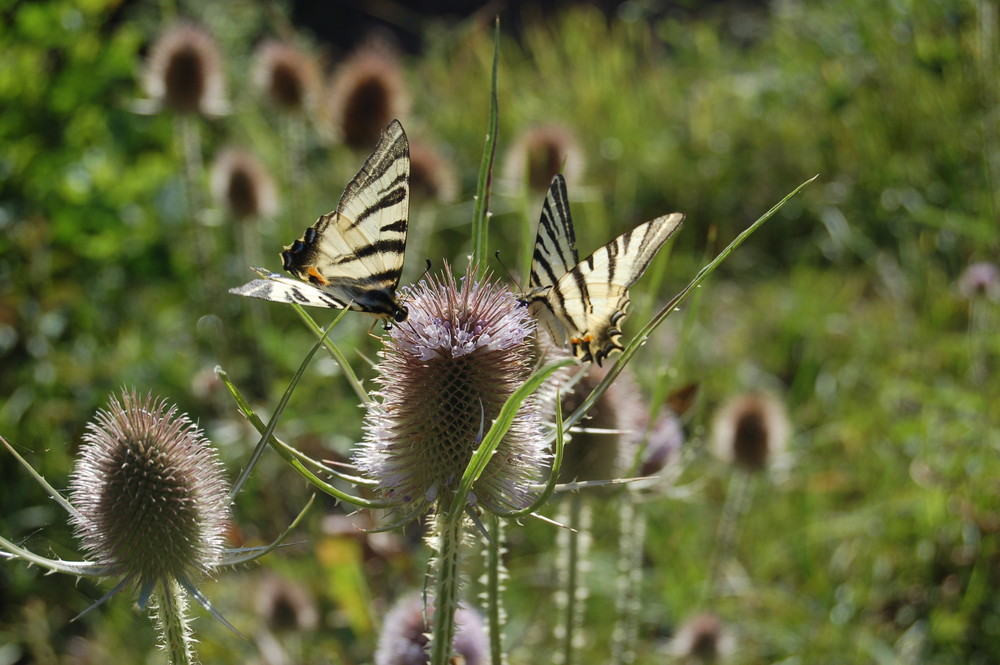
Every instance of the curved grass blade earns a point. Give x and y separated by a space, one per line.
550 486
643 334
284 449
272 423
481 212
261 551
51 491
349 374
496 433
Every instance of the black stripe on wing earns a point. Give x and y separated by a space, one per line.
555 243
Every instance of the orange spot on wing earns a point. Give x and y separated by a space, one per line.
315 276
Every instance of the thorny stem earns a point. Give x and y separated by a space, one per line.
170 610
736 502
630 546
494 573
449 556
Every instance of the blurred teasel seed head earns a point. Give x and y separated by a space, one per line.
444 376
541 152
980 280
367 92
242 185
404 635
749 431
431 175
153 503
702 639
184 71
621 410
285 605
286 75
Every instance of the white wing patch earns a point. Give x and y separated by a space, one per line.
353 256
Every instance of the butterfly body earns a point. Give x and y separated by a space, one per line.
584 302
352 258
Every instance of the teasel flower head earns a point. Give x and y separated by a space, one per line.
607 445
444 376
980 280
366 93
184 72
286 75
541 152
404 635
242 185
431 175
285 605
703 639
149 489
750 431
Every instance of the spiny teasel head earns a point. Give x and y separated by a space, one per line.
431 175
703 639
750 431
366 93
404 635
980 280
541 152
152 500
445 374
184 71
286 75
621 410
285 605
242 185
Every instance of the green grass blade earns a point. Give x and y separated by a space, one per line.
647 329
293 458
52 492
349 374
550 486
259 552
273 421
481 214
497 431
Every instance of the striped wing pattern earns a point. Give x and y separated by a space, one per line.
555 244
586 303
353 256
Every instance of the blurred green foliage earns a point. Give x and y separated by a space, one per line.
878 542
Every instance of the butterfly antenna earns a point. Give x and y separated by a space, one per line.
507 271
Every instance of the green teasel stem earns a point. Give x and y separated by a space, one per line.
737 499
448 542
574 548
632 526
481 215
495 574
170 609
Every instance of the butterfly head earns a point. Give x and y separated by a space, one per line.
400 314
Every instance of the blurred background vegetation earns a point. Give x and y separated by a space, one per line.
876 537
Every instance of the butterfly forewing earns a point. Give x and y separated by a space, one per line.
353 257
583 302
555 243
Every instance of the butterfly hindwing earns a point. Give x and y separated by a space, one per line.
594 293
353 257
278 288
583 302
